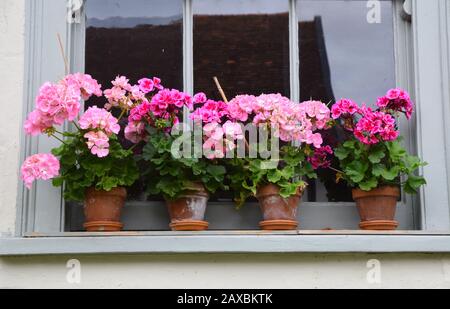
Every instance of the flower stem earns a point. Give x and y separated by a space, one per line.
75 124
62 141
134 146
336 170
122 114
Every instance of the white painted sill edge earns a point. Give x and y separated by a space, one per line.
226 242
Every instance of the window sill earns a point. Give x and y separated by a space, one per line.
227 242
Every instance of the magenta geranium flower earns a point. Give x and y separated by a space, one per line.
146 85
396 101
371 127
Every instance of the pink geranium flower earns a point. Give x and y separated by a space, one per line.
344 107
146 85
396 101
200 98
37 122
157 83
98 143
39 166
241 107
135 132
289 121
233 130
121 82
320 159
211 111
59 102
85 83
99 119
375 127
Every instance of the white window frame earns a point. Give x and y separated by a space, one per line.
426 57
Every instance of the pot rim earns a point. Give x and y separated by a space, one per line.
117 191
198 189
390 191
273 189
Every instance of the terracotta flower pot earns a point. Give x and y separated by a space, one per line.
377 208
279 213
188 212
103 209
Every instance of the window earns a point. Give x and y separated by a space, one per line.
244 43
343 56
134 38
43 210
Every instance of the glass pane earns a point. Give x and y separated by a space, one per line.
243 42
343 55
136 38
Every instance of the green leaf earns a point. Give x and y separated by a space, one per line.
356 171
350 144
377 155
413 183
108 183
274 176
396 150
413 163
378 169
252 188
391 174
288 172
217 171
289 189
342 153
369 184
58 182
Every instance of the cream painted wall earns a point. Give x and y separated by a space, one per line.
12 25
229 271
172 271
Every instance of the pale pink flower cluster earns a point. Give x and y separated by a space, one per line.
56 103
317 112
98 143
99 119
87 85
125 96
291 121
221 139
241 107
375 127
101 124
396 100
39 166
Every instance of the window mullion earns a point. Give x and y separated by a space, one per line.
188 50
294 51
